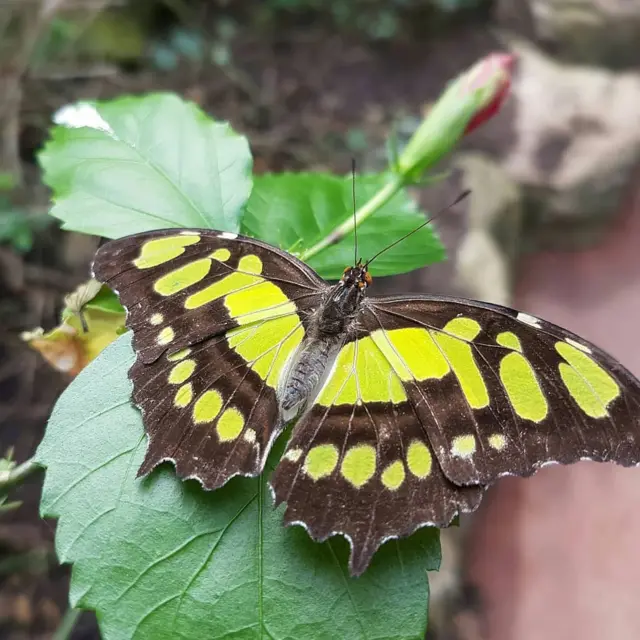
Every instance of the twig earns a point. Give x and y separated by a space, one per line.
64 631
35 561
17 475
41 276
62 74
17 275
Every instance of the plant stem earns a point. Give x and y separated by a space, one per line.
365 211
64 631
18 474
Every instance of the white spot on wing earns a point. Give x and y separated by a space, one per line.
530 320
577 345
228 236
497 441
463 446
293 455
189 233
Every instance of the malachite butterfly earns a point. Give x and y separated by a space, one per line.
406 408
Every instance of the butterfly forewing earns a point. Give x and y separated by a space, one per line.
181 287
215 319
507 393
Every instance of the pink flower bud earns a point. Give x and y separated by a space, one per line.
492 76
472 98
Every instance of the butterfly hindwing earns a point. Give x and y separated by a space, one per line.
215 318
506 392
360 462
207 410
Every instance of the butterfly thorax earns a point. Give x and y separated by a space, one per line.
329 328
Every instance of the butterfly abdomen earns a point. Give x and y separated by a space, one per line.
328 330
307 372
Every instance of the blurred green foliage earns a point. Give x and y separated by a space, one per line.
7 465
17 226
376 19
170 30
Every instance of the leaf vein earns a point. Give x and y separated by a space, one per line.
346 588
208 557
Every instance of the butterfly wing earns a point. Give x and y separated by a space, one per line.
360 461
507 392
215 318
434 399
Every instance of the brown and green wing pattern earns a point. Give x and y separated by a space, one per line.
360 462
367 472
182 286
215 318
504 392
431 400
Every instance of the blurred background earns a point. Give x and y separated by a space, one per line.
551 228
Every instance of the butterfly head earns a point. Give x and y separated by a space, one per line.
345 297
357 277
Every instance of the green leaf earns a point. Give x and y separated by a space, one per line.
295 211
106 300
160 558
138 164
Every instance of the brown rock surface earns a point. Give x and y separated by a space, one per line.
598 32
576 143
557 556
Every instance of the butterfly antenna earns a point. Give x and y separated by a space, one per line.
353 193
461 197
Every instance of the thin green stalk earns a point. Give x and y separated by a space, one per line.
64 631
12 477
365 211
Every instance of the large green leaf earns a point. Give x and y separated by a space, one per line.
295 211
158 558
147 163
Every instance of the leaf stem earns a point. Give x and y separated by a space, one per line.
365 211
11 477
64 631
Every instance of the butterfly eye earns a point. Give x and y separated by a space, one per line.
345 270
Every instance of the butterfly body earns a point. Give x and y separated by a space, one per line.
328 328
406 407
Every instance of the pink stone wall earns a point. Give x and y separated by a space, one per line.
557 556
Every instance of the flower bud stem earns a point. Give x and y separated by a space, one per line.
375 203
